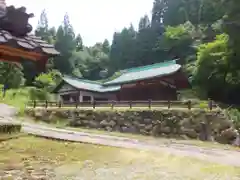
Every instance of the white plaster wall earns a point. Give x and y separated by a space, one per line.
64 90
66 87
109 96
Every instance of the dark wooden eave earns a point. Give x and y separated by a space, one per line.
27 43
15 29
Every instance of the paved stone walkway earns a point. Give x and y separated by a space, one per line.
222 156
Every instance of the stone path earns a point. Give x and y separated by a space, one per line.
222 156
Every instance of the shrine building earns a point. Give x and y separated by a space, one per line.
17 44
157 82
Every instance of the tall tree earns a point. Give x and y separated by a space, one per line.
145 42
123 52
158 10
195 11
79 43
106 46
232 26
144 23
91 62
66 45
213 71
43 28
177 42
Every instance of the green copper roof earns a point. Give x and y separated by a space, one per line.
89 85
145 72
127 76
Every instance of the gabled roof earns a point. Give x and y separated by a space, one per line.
145 72
89 85
127 76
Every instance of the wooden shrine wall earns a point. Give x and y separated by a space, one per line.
139 92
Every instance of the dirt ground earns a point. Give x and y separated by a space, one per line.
37 158
120 157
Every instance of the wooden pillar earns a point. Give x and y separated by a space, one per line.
92 98
41 64
80 97
118 96
59 97
71 98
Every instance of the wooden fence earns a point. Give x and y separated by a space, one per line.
127 104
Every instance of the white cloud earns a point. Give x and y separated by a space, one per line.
95 20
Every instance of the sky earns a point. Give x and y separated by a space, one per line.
95 20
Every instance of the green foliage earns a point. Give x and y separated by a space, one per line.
90 62
11 74
38 94
44 80
234 115
203 105
196 11
48 80
176 33
16 97
177 40
45 83
20 97
213 66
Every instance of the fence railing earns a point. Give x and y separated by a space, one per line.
128 104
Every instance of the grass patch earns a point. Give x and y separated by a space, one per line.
20 97
17 98
6 137
30 156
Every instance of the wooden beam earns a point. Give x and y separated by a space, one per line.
14 54
20 53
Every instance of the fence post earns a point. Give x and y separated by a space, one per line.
34 104
189 105
210 104
94 104
130 104
76 104
46 104
112 105
169 104
149 103
59 104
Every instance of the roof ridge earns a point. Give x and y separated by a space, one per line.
81 79
155 65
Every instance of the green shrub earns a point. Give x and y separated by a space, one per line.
16 97
20 97
38 94
203 105
234 115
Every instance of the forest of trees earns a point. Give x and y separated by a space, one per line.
202 34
